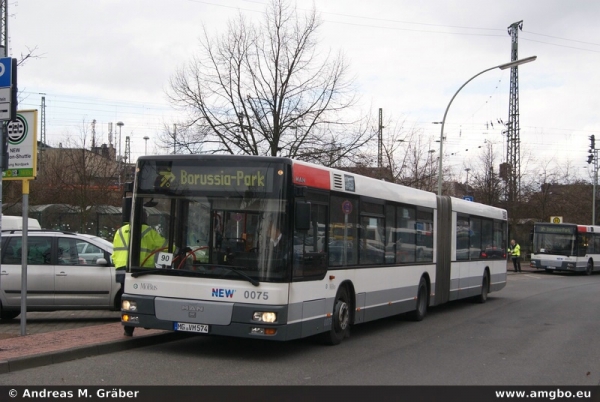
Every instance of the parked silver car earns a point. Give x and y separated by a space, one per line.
65 271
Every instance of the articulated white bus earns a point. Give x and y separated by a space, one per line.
273 248
566 247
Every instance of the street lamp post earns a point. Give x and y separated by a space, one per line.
467 170
501 67
146 138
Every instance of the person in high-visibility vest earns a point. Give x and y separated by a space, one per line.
151 240
515 252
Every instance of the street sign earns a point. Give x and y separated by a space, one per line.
468 198
347 207
5 72
7 86
22 147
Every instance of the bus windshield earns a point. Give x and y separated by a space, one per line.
211 221
556 241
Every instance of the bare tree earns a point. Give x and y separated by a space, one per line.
30 54
486 184
266 90
417 166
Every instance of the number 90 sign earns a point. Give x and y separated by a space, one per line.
164 259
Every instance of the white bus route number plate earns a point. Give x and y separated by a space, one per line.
189 327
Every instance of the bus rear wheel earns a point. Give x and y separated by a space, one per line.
340 325
422 300
589 267
485 288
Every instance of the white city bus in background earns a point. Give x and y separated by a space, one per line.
566 247
352 249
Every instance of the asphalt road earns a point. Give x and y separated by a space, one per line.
542 329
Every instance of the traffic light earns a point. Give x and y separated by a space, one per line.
590 158
592 142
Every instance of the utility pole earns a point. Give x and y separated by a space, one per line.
513 141
174 139
127 158
43 126
380 140
593 158
4 28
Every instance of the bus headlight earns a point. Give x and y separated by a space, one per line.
127 305
264 316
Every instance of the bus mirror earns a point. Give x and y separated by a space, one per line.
302 221
126 209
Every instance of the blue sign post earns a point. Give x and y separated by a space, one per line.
5 72
7 88
468 198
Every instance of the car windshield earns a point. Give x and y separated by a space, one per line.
202 236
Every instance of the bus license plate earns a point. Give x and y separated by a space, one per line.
189 327
550 267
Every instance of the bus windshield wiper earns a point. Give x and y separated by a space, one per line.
240 273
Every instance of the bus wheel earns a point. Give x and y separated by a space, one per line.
421 309
485 288
128 330
589 267
340 325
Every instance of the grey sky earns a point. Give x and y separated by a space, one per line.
111 61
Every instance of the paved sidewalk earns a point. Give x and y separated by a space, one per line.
60 336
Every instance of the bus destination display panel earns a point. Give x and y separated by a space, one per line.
187 177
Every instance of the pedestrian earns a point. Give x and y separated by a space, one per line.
151 240
515 252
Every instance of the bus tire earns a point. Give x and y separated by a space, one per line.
589 267
340 321
485 288
422 301
128 330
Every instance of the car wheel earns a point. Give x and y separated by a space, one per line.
9 315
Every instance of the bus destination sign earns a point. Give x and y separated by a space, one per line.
555 229
208 178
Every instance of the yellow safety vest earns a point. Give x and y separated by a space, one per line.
151 241
516 251
121 246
